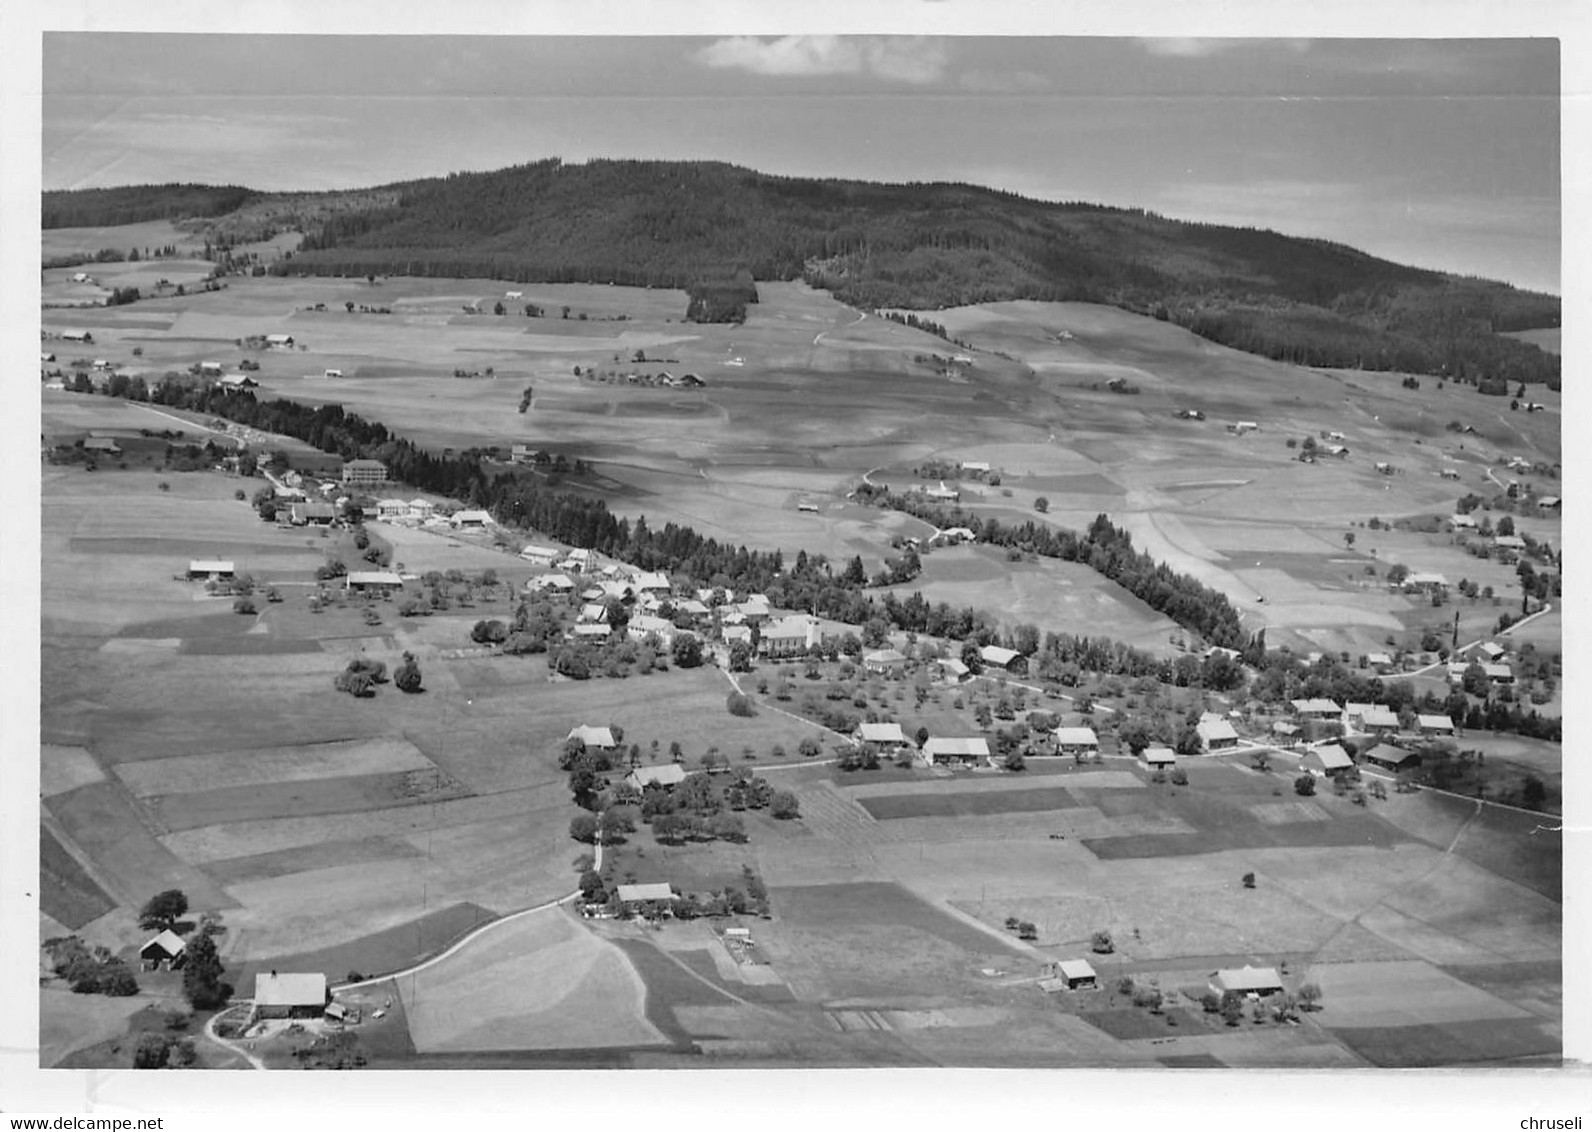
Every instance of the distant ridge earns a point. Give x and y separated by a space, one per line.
713 229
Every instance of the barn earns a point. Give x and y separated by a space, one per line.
290 996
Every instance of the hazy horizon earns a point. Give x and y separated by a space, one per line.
1439 154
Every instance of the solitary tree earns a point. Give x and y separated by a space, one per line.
784 805
407 677
1305 785
1309 995
163 910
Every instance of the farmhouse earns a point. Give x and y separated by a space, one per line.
887 735
638 897
975 465
884 661
102 444
1546 503
539 555
1158 757
593 738
1390 757
471 520
996 657
1492 650
278 341
1430 583
666 774
1434 724
1316 709
238 381
558 583
166 949
1499 674
1216 734
333 373
210 369
1379 721
289 996
77 336
955 671
1239 428
1380 661
303 514
1451 473
968 751
211 568
942 493
1076 741
1246 980
1327 759
1462 522
364 471
374 581
1509 542
513 294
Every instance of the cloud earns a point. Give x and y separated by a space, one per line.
908 59
1173 47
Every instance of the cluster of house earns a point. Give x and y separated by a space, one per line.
1490 655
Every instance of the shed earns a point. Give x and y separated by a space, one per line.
374 580
972 749
1246 980
167 948
997 657
289 996
1159 756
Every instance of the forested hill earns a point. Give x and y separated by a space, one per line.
712 228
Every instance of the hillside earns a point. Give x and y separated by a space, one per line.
712 229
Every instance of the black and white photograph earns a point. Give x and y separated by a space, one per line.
1007 555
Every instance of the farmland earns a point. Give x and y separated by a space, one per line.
187 745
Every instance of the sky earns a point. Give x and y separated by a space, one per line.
1441 153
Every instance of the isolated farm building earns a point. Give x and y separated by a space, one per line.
211 568
278 341
642 624
1380 661
1316 709
665 774
210 369
1425 582
970 750
513 294
364 471
975 465
1434 724
1546 503
166 949
1076 741
1240 427
374 581
994 656
1246 980
390 509
77 336
238 381
955 671
303 514
522 453
332 373
1216 734
289 996
471 520
884 661
1076 973
102 444
1462 522
942 493
592 630
1338 450
1389 757
1159 757
1327 759
539 555
807 508
888 735
790 636
954 535
637 897
594 738
1509 542
81 277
